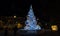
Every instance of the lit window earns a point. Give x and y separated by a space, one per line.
54 27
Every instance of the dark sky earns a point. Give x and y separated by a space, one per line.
42 8
21 7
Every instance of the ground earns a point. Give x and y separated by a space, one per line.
40 33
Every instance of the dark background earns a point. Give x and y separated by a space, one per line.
44 9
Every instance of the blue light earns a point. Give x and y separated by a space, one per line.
31 23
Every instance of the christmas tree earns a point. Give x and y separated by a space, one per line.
31 22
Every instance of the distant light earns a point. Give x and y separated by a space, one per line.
14 16
19 25
54 27
37 19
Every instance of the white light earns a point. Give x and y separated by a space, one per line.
14 16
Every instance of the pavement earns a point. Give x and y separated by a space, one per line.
41 33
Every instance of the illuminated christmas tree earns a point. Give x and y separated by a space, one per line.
31 22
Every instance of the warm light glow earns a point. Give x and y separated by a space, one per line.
14 16
54 27
19 25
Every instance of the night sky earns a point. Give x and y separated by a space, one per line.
44 9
